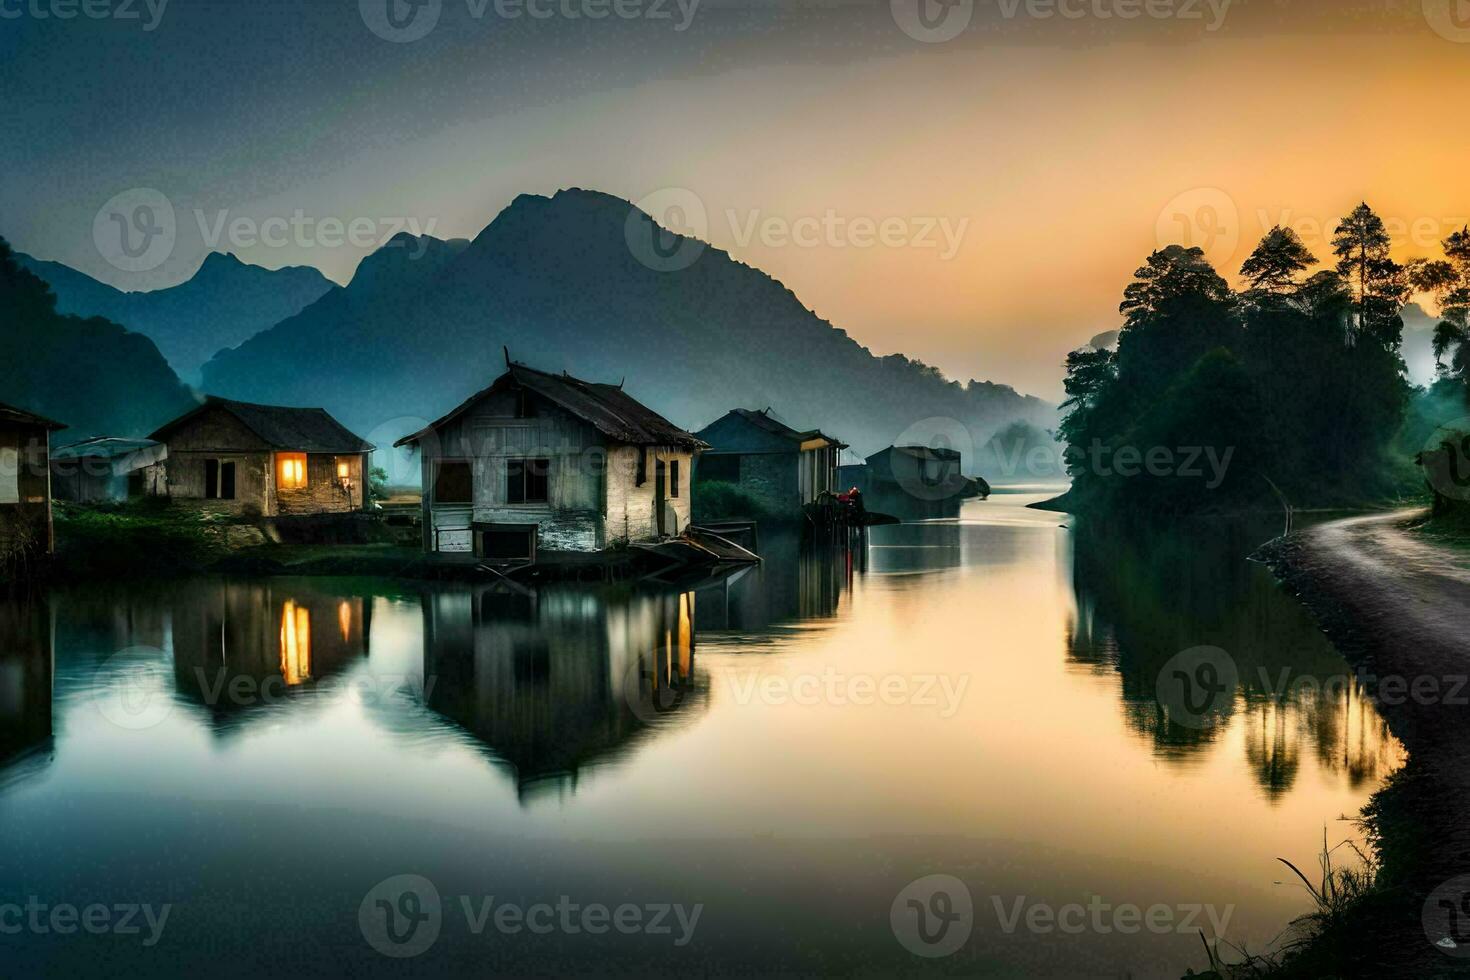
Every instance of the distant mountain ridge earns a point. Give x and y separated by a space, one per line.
555 281
90 374
225 302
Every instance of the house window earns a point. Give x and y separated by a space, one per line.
344 470
219 480
673 478
526 481
291 471
724 468
454 482
642 475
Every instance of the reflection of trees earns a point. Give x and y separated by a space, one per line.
26 669
1144 595
551 683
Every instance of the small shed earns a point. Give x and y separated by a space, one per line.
269 460
780 467
551 462
25 483
105 469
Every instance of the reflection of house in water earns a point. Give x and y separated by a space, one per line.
796 580
26 668
555 682
266 639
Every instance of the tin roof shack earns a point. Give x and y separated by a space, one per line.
105 469
783 470
268 460
25 484
551 462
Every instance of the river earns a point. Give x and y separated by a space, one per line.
765 773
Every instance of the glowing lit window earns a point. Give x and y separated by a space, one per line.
290 471
344 469
295 643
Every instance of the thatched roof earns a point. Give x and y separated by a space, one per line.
607 408
302 430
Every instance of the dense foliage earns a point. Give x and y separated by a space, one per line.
1291 387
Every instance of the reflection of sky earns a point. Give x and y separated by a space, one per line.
1031 782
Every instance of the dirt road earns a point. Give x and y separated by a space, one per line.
1398 606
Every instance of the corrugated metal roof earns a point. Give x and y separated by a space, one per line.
304 430
607 408
103 447
18 416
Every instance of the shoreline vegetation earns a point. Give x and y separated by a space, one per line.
1290 391
1295 388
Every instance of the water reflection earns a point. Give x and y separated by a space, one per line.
536 743
551 683
1143 597
801 579
241 649
25 688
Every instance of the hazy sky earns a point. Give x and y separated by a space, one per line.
974 190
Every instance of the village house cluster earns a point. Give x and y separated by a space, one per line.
534 463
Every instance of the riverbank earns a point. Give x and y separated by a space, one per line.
1393 598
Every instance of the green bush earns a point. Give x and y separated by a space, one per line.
149 537
717 500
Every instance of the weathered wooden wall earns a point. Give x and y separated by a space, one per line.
28 519
632 514
216 434
489 435
254 481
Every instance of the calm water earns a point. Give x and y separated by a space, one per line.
786 751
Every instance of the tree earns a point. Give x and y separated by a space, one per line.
1448 281
1273 267
1176 308
1380 286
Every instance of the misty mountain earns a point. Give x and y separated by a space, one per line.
225 302
90 374
556 281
